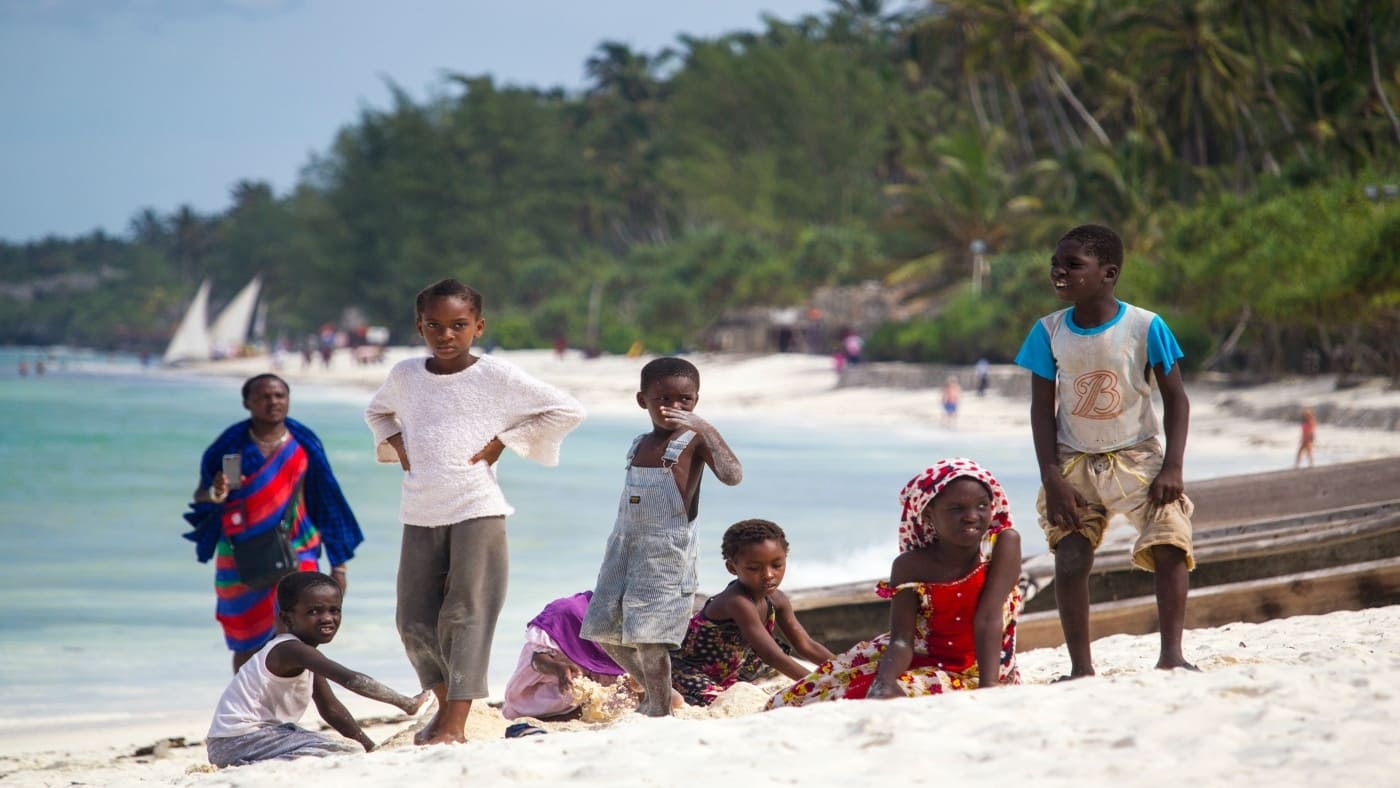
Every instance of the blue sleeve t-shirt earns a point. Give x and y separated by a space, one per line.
1036 356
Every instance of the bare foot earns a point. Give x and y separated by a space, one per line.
446 737
1177 664
424 734
1072 677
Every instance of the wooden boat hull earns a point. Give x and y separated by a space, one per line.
1267 545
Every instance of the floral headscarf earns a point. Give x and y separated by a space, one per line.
915 533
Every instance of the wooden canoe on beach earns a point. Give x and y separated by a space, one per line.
1268 545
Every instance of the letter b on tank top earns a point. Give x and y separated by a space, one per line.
1099 396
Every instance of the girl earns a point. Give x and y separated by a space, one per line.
731 638
954 597
256 717
553 656
446 419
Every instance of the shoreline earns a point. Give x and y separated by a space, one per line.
798 388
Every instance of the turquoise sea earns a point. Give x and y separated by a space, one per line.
105 613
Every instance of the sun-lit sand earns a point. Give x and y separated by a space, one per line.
1287 702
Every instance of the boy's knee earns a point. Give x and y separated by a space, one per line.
1167 557
1074 557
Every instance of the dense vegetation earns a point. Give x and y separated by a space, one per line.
1233 144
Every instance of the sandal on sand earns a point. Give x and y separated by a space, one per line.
520 729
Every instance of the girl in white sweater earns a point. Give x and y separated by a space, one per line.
445 420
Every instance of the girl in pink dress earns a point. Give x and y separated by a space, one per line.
954 597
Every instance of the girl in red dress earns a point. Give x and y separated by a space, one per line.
954 597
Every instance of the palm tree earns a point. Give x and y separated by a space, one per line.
1194 61
960 192
1022 42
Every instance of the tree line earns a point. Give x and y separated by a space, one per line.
1246 152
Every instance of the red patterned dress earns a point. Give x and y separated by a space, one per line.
945 653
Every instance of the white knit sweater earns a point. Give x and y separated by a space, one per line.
445 419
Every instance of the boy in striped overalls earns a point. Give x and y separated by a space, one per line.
646 586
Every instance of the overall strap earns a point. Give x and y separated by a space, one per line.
675 447
632 451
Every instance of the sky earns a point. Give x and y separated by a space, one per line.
111 106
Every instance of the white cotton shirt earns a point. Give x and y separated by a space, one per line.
446 419
258 699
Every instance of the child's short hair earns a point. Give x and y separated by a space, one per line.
747 532
1099 241
291 587
668 367
447 288
256 379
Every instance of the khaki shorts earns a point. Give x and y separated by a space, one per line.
1117 483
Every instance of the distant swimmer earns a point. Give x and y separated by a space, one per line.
1305 440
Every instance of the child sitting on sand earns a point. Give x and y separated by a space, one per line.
731 637
954 598
256 716
553 657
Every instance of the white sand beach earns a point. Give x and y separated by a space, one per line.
1287 702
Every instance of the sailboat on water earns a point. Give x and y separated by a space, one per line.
197 339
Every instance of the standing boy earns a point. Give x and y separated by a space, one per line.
445 420
1098 451
642 603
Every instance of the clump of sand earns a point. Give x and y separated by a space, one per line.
603 703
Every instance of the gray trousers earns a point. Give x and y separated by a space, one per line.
276 743
451 588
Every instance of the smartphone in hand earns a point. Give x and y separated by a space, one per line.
233 470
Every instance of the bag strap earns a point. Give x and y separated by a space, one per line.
289 516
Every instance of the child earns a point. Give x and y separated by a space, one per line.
256 716
553 656
952 395
1098 451
731 637
954 598
646 585
1305 441
446 419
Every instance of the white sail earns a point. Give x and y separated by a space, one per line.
191 339
229 331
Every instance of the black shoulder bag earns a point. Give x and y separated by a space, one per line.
265 558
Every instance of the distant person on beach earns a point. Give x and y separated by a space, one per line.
952 395
953 597
283 465
445 420
984 374
1098 451
645 591
554 656
730 639
257 715
853 347
1305 441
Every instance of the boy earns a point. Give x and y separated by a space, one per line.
445 420
1098 451
642 604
